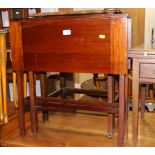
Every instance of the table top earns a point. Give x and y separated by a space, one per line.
80 12
83 44
143 50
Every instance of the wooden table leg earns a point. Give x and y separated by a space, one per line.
143 91
121 110
126 107
135 105
111 117
45 114
33 112
20 102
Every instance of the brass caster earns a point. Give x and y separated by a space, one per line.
109 135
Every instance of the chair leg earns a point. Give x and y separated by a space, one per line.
98 87
151 92
45 116
143 91
33 112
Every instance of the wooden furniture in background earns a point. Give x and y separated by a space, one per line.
4 46
80 43
3 91
6 70
143 63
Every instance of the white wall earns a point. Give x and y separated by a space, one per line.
79 9
149 24
49 9
5 18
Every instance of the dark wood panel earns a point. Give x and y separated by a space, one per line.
97 44
73 62
16 46
83 46
49 37
118 46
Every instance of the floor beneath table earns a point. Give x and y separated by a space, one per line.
64 129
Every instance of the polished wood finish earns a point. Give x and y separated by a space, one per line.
25 58
136 14
121 110
3 57
33 112
96 43
3 70
70 11
43 86
111 117
143 54
1 95
20 100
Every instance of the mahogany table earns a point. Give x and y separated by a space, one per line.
88 43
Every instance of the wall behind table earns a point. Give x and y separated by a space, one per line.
138 24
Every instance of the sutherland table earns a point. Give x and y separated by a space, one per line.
143 70
88 43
